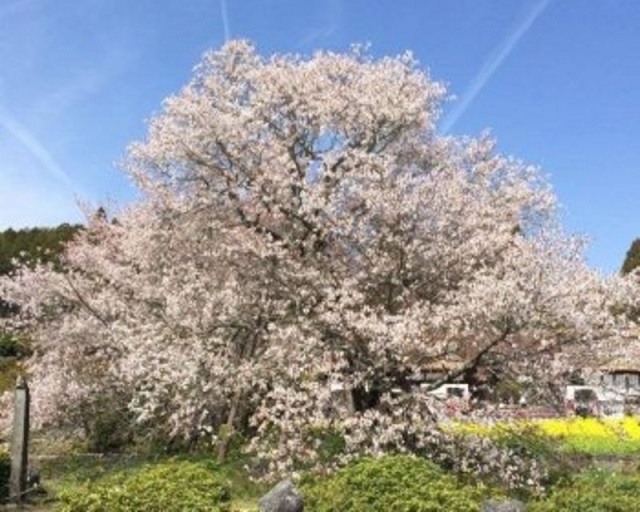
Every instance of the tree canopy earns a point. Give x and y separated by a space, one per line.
303 230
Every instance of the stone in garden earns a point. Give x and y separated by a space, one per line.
503 506
33 478
284 497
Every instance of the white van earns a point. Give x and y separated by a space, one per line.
456 397
448 391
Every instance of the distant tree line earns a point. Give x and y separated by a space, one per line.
33 244
28 245
632 259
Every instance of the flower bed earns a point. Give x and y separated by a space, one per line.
592 436
596 436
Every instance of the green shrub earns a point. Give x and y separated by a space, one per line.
594 491
9 371
532 444
508 390
398 483
110 429
106 421
10 346
171 486
329 444
5 472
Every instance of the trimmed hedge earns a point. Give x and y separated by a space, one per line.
171 486
398 483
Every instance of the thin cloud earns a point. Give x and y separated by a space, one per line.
225 20
321 33
493 62
331 22
59 100
85 81
36 149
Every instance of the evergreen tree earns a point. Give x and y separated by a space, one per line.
29 245
33 244
632 259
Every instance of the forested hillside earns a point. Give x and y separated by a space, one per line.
632 259
30 245
42 243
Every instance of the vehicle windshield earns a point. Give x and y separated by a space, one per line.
455 392
585 395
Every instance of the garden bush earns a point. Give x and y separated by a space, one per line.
5 471
529 442
170 486
535 453
10 346
400 483
9 371
107 425
594 491
110 429
491 460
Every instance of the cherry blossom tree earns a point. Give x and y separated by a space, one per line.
304 246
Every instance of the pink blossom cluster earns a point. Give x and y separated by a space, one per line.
305 242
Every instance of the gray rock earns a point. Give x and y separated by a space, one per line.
503 506
33 478
284 497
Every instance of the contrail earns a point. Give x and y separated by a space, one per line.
492 63
225 20
37 150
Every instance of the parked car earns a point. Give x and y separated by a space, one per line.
452 391
456 396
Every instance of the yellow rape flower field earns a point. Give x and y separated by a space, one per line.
596 436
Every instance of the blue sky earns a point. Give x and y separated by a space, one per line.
556 81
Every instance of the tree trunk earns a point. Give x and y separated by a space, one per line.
227 430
